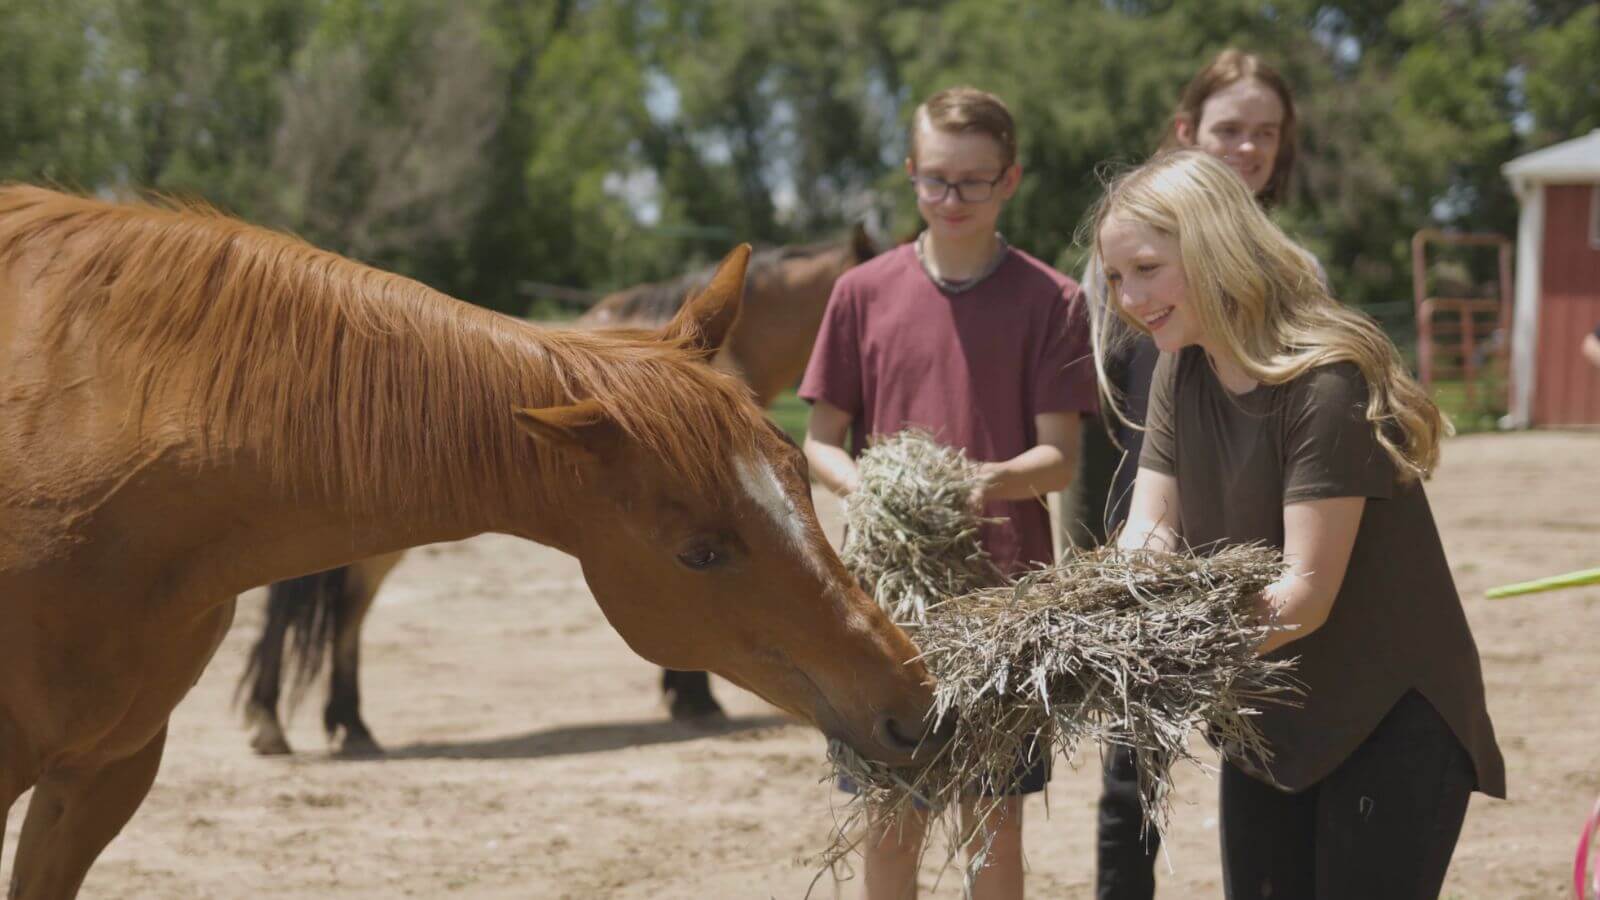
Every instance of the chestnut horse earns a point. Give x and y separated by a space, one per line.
190 406
321 614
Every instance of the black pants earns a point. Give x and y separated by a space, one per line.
1125 860
1382 825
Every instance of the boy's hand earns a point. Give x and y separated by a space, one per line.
988 474
1046 466
823 446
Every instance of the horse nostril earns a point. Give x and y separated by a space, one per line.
896 736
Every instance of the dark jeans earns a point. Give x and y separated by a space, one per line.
1382 826
1125 861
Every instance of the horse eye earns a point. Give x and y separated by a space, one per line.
699 557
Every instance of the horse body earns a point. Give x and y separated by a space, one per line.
786 293
772 351
190 407
70 551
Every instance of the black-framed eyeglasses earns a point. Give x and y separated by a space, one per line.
931 189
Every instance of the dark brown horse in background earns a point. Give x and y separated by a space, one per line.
786 296
321 615
190 407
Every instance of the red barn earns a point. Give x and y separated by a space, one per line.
1558 284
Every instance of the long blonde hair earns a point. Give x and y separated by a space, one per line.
1258 296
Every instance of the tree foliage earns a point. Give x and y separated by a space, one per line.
485 144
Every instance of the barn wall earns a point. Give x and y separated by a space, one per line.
1568 389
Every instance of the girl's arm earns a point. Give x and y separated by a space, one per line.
1318 536
1152 513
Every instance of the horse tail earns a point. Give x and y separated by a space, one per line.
308 609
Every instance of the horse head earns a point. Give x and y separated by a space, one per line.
731 573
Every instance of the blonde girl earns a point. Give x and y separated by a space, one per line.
1278 415
1239 109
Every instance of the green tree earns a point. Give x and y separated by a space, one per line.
58 113
598 143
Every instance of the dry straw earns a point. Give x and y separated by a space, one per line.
1129 648
913 529
1135 649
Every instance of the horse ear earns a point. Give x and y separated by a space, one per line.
706 320
582 428
861 243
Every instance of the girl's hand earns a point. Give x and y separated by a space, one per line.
1153 514
1269 613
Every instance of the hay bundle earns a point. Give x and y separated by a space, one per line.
1131 648
912 537
1136 649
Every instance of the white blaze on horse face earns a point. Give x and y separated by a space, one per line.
762 484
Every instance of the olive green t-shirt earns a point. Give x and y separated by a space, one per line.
1397 622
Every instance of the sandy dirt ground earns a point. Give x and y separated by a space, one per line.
530 756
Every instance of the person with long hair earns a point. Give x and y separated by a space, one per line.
1280 416
1239 109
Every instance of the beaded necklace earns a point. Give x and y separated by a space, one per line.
965 284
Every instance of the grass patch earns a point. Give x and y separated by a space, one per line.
790 412
1470 418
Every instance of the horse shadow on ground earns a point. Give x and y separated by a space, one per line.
578 739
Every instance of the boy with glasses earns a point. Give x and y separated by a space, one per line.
985 347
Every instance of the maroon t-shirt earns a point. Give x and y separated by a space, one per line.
895 351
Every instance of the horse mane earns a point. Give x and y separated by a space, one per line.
350 380
658 301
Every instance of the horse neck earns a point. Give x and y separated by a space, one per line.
399 435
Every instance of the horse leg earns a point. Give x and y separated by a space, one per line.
73 816
12 786
15 777
264 675
343 712
689 697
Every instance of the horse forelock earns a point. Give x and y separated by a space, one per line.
698 422
347 379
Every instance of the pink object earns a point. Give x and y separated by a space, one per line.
1580 865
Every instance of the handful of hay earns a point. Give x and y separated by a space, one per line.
913 531
1130 648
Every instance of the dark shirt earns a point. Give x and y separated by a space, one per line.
1397 623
